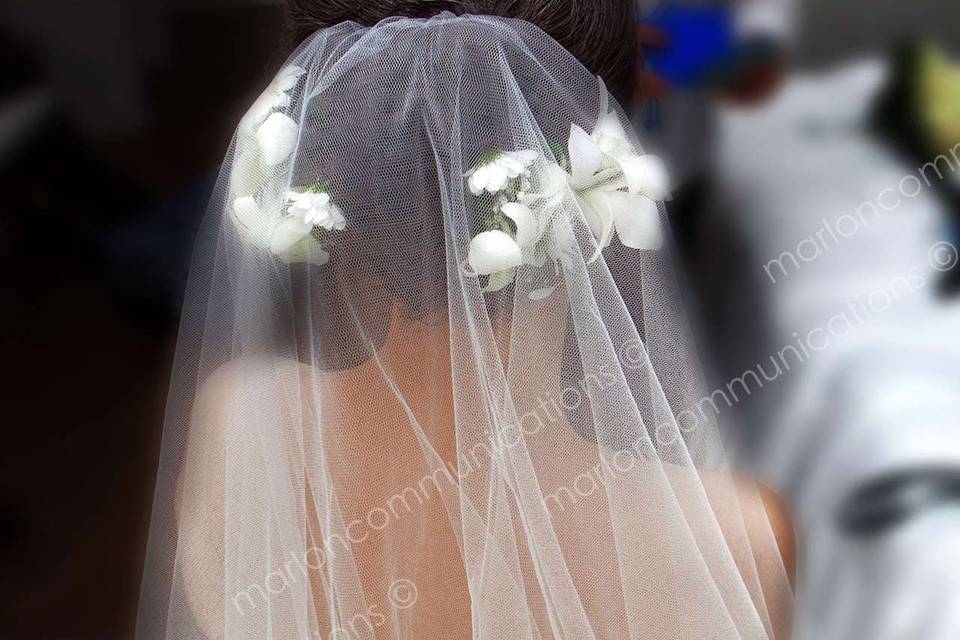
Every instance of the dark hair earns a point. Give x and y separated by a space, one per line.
600 33
402 257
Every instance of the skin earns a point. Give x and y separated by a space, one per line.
778 514
417 355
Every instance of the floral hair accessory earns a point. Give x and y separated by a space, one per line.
276 96
274 131
294 226
315 208
616 188
496 169
299 232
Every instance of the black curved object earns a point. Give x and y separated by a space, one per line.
891 500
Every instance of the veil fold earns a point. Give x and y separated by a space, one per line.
408 400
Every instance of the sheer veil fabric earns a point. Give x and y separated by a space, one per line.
408 400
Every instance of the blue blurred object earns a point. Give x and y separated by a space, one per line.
701 43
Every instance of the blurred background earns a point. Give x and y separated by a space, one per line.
818 212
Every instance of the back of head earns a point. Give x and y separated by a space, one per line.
404 369
600 33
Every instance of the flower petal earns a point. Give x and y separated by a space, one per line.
497 177
513 166
291 230
289 77
525 157
604 97
257 113
637 220
586 159
646 175
528 230
247 174
308 251
277 138
478 180
252 222
598 212
552 185
610 135
494 251
338 221
297 199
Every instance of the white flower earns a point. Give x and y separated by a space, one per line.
293 242
316 210
607 156
635 219
266 138
493 252
494 172
528 227
288 237
592 165
498 255
552 186
275 97
646 175
254 224
290 231
586 157
248 173
611 137
293 239
618 194
276 138
618 188
307 251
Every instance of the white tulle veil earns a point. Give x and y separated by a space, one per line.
408 399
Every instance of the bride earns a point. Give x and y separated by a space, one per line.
408 400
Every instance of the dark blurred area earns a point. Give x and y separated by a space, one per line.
114 118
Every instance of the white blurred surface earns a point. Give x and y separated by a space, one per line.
884 397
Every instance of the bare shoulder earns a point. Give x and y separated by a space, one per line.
768 525
781 521
739 501
766 514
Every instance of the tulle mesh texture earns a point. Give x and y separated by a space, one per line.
361 442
